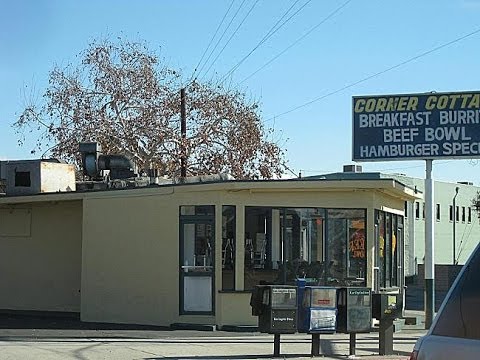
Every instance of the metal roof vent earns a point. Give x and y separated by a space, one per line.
94 163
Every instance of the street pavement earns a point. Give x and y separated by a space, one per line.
65 339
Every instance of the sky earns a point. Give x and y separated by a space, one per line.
327 52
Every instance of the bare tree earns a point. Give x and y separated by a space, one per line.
122 96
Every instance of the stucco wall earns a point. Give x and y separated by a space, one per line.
130 259
40 256
130 253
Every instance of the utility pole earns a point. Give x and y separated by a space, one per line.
183 129
454 218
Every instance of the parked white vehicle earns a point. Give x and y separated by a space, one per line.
455 332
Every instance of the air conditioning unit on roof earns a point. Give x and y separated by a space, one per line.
352 168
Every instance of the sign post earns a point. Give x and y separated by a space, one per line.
426 126
429 247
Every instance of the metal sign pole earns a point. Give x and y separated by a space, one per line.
276 345
429 247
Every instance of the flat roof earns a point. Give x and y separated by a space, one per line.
391 187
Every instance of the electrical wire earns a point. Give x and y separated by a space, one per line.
269 34
233 34
291 171
377 74
211 40
296 41
221 37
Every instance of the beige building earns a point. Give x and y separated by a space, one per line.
191 253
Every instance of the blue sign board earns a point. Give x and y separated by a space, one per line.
416 126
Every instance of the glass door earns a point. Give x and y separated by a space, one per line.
197 258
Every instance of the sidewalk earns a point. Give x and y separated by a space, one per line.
55 339
212 345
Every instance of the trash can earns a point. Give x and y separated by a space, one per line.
317 312
276 308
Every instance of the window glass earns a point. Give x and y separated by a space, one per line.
463 213
278 238
438 212
346 246
323 297
228 247
393 253
388 253
261 256
197 210
460 316
451 213
307 295
197 258
283 297
282 244
399 255
198 246
356 249
469 214
337 248
417 210
381 246
388 249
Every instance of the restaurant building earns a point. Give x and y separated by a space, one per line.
191 253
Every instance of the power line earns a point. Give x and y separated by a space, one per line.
221 37
233 34
377 74
278 21
291 171
213 37
296 41
268 35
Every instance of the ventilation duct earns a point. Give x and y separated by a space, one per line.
94 162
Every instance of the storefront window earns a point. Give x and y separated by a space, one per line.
356 249
394 271
389 245
228 247
380 247
346 247
282 244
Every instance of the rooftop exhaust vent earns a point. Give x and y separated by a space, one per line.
94 163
